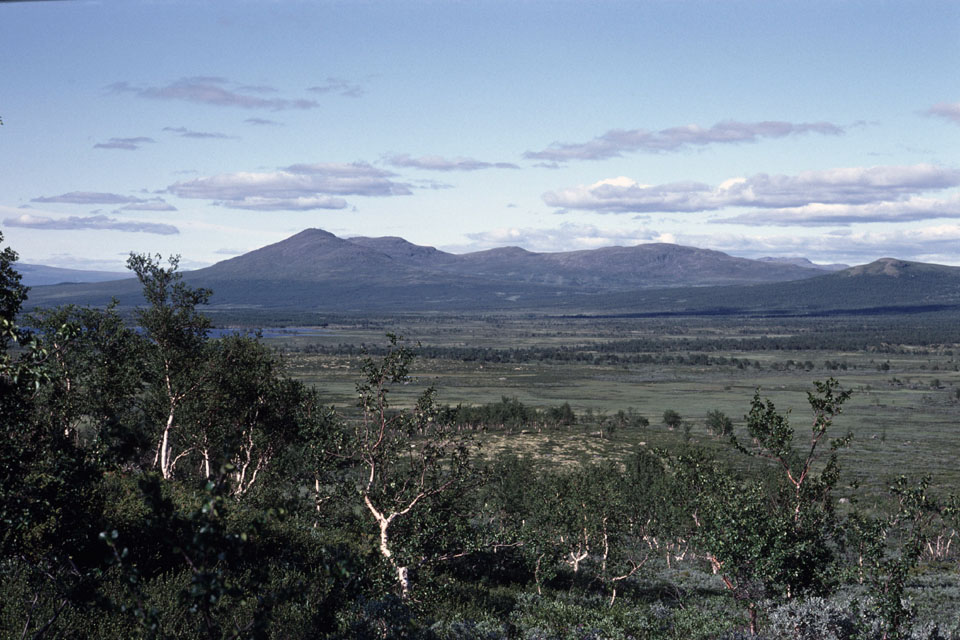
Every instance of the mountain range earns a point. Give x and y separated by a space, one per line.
317 271
33 275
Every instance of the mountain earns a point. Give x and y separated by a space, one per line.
407 252
37 274
317 271
665 265
604 269
804 262
608 268
887 285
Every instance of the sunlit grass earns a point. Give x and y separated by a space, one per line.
903 414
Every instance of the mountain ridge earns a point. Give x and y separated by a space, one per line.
315 270
40 274
804 262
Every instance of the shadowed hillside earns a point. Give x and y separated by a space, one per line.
316 271
33 275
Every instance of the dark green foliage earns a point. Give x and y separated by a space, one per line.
95 369
12 293
773 543
562 416
49 502
177 334
202 565
672 419
509 413
630 419
719 424
209 402
246 412
171 318
412 469
889 549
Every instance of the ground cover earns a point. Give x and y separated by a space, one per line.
903 413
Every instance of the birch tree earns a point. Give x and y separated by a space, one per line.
410 462
773 540
245 413
95 367
178 333
589 516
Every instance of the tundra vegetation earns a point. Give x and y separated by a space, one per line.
159 479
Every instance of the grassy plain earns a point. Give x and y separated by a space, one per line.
903 371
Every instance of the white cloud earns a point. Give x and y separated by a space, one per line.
151 205
947 110
438 163
816 214
621 181
130 203
263 122
668 238
616 142
90 197
214 91
850 186
934 243
309 203
127 144
432 185
297 187
566 237
340 86
88 223
731 183
183 132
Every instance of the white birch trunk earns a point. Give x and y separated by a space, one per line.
165 466
403 572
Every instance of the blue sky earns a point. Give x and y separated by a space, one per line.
826 129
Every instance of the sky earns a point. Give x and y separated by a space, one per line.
828 129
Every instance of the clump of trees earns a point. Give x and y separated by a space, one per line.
156 482
509 414
719 424
672 419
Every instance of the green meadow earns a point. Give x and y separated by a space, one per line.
903 412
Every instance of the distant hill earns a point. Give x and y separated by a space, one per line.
626 268
604 269
37 274
804 262
407 252
317 271
887 285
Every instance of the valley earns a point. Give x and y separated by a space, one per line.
903 371
624 459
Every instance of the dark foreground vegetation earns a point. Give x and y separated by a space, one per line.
161 483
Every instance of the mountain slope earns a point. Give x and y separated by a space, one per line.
407 252
803 262
33 275
659 264
604 269
312 254
316 271
886 285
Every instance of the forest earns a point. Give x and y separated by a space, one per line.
159 482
